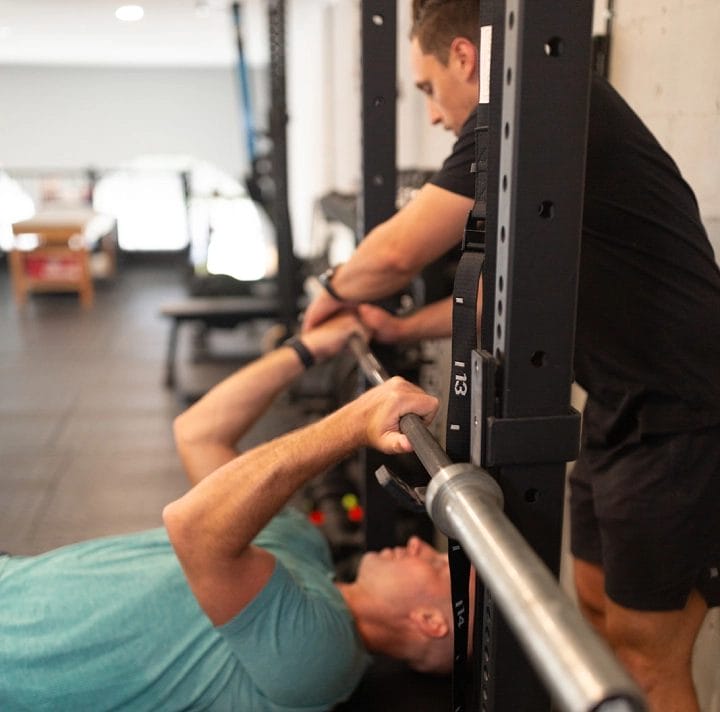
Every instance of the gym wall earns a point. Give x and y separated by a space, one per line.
323 74
75 116
665 60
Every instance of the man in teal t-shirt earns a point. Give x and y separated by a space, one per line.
232 606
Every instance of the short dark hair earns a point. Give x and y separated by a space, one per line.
436 23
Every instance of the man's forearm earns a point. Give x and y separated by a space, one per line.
433 321
378 268
396 251
225 511
206 433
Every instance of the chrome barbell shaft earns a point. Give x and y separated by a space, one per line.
465 503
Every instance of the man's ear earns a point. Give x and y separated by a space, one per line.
430 621
464 54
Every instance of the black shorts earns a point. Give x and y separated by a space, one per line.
646 508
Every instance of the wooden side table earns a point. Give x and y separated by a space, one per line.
59 261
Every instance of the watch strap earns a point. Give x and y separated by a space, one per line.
303 352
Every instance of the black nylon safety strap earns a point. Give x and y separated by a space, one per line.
457 438
459 413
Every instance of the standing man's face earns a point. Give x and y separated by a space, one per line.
449 94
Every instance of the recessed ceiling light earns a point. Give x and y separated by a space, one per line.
129 13
5 32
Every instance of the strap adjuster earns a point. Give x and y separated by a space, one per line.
474 234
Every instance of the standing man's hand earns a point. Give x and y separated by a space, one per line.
433 321
386 327
326 303
322 307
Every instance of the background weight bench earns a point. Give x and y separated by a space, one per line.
213 312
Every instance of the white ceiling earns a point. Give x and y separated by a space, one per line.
172 32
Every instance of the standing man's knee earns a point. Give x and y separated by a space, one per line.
590 589
656 646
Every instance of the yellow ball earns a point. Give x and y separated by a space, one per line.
349 501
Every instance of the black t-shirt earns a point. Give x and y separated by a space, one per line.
648 324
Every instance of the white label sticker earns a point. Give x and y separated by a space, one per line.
485 55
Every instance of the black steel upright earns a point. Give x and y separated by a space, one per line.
377 200
379 110
530 296
287 285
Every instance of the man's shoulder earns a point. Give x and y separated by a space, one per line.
290 530
319 658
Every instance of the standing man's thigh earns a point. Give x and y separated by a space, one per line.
646 539
645 512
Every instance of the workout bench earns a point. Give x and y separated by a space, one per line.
213 312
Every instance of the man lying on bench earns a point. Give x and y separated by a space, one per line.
232 605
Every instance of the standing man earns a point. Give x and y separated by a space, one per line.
445 69
645 492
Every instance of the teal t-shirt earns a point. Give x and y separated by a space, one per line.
111 624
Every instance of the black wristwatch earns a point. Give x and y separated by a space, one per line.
325 280
303 352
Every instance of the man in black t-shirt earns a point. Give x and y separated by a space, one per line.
645 490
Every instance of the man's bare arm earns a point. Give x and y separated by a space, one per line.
207 432
396 251
433 321
212 526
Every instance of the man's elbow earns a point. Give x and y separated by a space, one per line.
184 433
176 526
401 263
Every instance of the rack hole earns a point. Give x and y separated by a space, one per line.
511 20
553 47
538 359
532 495
500 307
501 283
508 75
546 209
507 130
504 183
499 332
502 234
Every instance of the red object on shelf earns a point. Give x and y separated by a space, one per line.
59 268
356 513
